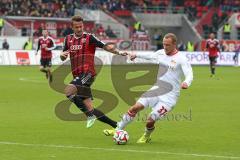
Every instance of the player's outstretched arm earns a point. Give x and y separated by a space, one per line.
111 47
147 55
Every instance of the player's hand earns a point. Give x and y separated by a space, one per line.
44 46
123 53
47 49
184 85
64 55
132 56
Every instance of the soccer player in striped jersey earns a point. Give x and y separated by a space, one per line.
47 44
80 47
213 48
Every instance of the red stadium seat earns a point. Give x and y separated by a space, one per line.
205 9
199 8
199 14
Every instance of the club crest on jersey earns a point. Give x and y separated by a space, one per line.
173 62
172 65
75 47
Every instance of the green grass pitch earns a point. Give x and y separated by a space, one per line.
205 123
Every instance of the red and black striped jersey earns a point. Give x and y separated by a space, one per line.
47 45
82 52
213 47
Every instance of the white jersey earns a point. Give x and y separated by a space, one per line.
176 67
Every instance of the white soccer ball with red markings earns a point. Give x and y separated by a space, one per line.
120 137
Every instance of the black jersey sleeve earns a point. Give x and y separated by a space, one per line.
97 42
65 47
207 44
38 45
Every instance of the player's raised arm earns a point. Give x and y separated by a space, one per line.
188 73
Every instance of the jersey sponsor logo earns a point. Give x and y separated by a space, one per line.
75 47
44 45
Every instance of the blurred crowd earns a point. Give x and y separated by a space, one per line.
37 8
65 30
65 8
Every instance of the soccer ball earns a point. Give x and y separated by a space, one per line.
120 137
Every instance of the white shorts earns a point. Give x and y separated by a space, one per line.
160 105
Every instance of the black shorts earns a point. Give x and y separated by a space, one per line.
46 62
213 59
83 83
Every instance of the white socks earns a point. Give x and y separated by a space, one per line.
148 131
126 119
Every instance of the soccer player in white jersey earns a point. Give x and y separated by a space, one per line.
176 67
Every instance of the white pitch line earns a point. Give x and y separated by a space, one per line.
119 150
31 80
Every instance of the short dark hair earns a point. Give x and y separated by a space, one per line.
77 18
172 36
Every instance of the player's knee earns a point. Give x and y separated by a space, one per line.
70 90
134 109
132 112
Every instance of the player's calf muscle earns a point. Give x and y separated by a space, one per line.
150 122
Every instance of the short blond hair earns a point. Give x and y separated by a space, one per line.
172 36
77 18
